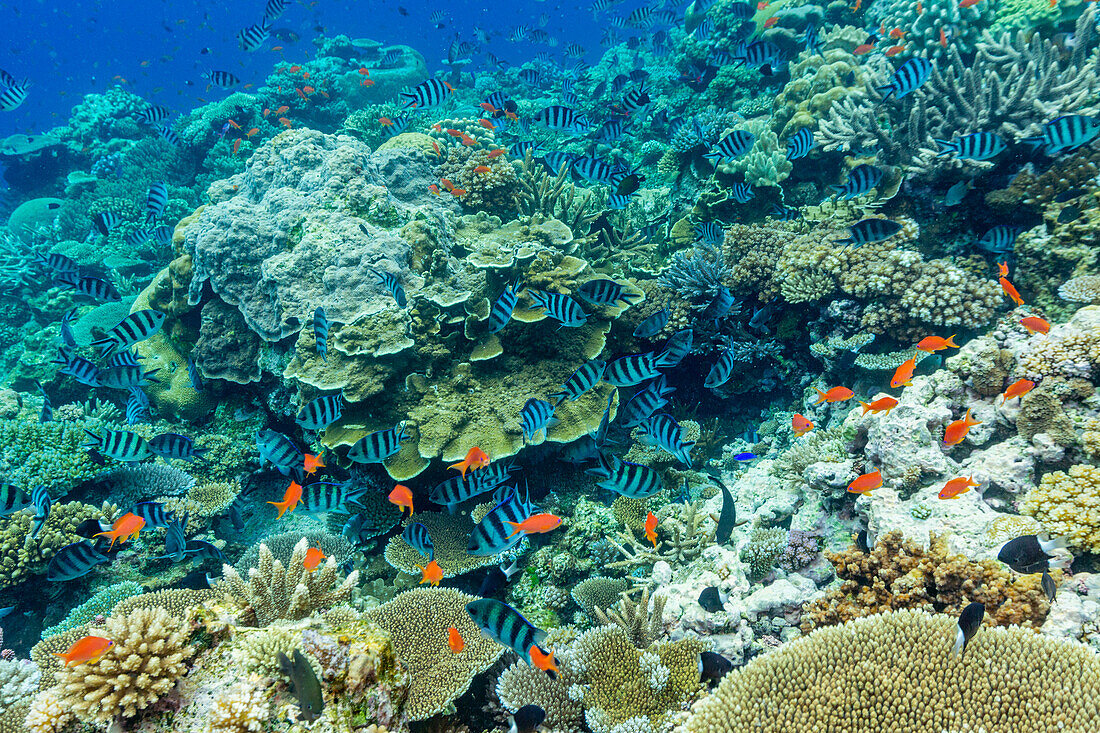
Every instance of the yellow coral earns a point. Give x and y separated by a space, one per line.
48 714
239 709
1068 505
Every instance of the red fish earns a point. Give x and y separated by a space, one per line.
313 462
771 21
301 93
308 90
882 404
863 48
455 640
367 83
836 394
957 430
438 152
497 153
363 70
252 132
87 649
1035 324
475 459
282 110
458 192
455 133
430 573
468 141
385 121
487 124
894 50
446 183
314 556
943 38
435 190
762 4
285 122
903 375
1003 269
233 124
536 524
866 483
1010 291
543 660
402 496
801 425
125 527
932 344
651 528
968 3
236 145
482 169
897 33
1019 388
956 487
291 497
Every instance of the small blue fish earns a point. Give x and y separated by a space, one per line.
745 457
137 407
193 375
321 326
392 284
536 416
40 498
652 325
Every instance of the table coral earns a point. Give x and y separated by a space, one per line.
1068 505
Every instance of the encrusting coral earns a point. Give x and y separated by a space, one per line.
1067 503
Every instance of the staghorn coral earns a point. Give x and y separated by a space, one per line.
282 546
1067 503
142 666
418 620
554 197
899 573
640 620
862 676
276 591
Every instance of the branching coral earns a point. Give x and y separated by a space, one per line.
240 709
639 620
598 592
554 197
1067 503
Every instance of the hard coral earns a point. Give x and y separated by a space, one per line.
1067 503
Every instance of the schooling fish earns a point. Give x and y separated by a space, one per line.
565 119
253 36
495 533
560 307
458 489
602 291
155 201
506 626
46 414
13 499
645 402
137 407
426 95
954 433
74 561
175 542
870 230
970 620
727 518
132 329
40 498
976 146
126 377
909 77
321 326
800 143
652 325
84 650
390 281
585 378
417 537
1065 134
125 528
731 147
676 348
193 375
631 480
306 686
1000 239
627 371
279 450
722 370
536 416
664 432
861 179
321 412
94 287
152 513
501 311
378 446
122 445
474 460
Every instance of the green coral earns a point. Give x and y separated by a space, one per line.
100 604
764 547
50 454
766 164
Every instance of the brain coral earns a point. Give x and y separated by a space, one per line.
895 672
1067 503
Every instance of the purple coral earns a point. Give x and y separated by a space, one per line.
802 548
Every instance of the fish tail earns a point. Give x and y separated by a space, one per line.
281 506
866 408
951 341
946 146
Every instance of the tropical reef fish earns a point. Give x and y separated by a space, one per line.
122 445
527 719
651 528
430 573
712 600
800 144
834 394
155 200
313 558
475 459
391 283
631 480
957 431
932 344
909 77
321 497
722 370
676 348
866 483
565 119
74 561
321 327
731 147
976 146
495 532
957 487
252 37
13 499
1019 388
903 375
172 445
1035 324
535 524
306 686
377 446
506 626
665 433
417 537
501 311
581 381
279 450
970 620
535 417
882 404
1000 239
870 230
426 95
629 370
291 497
543 660
602 291
713 666
458 489
175 541
1033 554
645 402
85 649
152 513
1065 134
861 179
801 425
560 307
320 412
40 499
125 528
727 517
652 325
132 329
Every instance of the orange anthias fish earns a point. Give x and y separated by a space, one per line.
920 8
313 462
430 573
458 192
385 121
252 132
446 183
957 430
801 425
543 660
897 33
290 500
402 496
771 21
236 145
866 483
282 110
468 141
956 487
482 169
943 38
308 90
882 404
651 528
894 51
487 124
125 527
932 344
475 459
863 48
233 124
536 524
497 153
301 93
968 3
438 152
1002 268
285 122
435 190
1010 291
1019 388
364 71
903 375
836 394
455 640
88 649
1035 324
314 556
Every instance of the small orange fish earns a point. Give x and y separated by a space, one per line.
236 145
402 496
458 192
651 528
943 38
367 83
455 133
87 649
313 462
855 8
488 107
385 121
932 344
446 183
536 524
430 573
957 430
233 124
1035 324
863 48
487 124
314 556
468 141
497 153
771 21
308 90
282 110
276 48
294 69
956 487
291 497
762 4
437 127
920 8
882 404
866 483
1002 267
543 660
285 122
305 74
475 459
968 3
515 118
801 425
897 33
836 394
435 189
266 111
363 70
1019 388
1053 3
301 93
1010 291
125 527
894 50
455 640
438 152
903 375
252 132
483 169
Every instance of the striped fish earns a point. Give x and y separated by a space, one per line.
13 94
537 415
274 9
490 536
976 146
555 160
392 284
506 626
1065 134
909 77
618 201
611 131
645 402
861 179
173 445
56 262
652 324
560 307
635 99
321 412
321 497
74 561
77 367
155 201
742 192
870 230
279 450
521 148
137 407
40 498
599 437
175 542
321 327
66 329
710 232
602 291
722 370
168 135
105 221
193 375
732 146
221 79
153 512
132 329
125 377
676 348
426 94
582 380
12 499
153 114
800 144
136 238
400 123
628 479
626 371
252 37
162 235
501 311
458 489
721 305
1000 239
93 287
594 169
417 537
122 445
780 212
46 413
665 433
560 117
203 550
377 446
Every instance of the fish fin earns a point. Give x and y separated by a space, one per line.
960 642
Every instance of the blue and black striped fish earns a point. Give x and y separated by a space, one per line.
909 77
501 311
321 497
173 445
780 212
12 499
137 407
377 446
1065 134
194 375
66 329
252 37
495 533
125 377
618 201
628 479
870 230
652 324
710 232
74 561
521 148
274 9
602 291
136 238
175 541
168 135
321 326
537 415
153 114
122 445
645 402
416 535
506 626
732 146
126 357
203 550
390 281
1000 239
611 131
676 348
320 412
594 169
105 221
663 431
976 146
458 489
861 179
46 414
742 192
56 262
153 512
132 329
582 380
722 370
93 287
40 499
627 371
800 144
560 307
279 450
12 91
720 307
556 161
565 119
221 79
399 123
426 94
77 366
155 201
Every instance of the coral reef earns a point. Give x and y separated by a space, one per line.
1067 504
